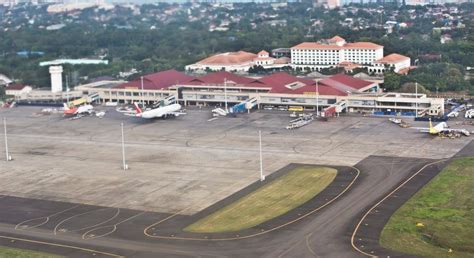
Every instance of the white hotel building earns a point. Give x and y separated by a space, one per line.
334 51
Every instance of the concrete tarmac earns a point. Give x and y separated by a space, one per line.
65 193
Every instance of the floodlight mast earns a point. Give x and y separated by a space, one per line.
262 177
7 154
124 163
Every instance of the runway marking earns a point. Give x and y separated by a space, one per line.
382 200
88 235
212 119
289 249
63 230
20 225
308 246
251 235
61 245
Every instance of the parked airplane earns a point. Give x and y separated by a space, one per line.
160 112
442 129
84 109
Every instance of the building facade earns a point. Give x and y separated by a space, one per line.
279 91
396 62
240 61
332 52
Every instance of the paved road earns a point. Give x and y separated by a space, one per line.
325 233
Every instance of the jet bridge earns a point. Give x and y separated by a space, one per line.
244 105
335 108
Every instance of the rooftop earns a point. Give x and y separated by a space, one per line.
229 58
331 45
220 78
158 81
346 83
337 85
392 58
15 86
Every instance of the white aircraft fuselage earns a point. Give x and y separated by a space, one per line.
171 110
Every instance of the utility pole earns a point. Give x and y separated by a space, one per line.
225 94
124 165
262 177
7 154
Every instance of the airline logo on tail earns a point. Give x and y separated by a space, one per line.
432 129
137 108
69 111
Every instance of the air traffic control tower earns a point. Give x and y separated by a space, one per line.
56 70
56 78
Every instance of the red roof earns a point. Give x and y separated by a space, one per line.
345 83
289 84
337 85
220 77
15 86
158 81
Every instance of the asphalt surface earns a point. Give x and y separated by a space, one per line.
78 184
370 226
51 226
325 233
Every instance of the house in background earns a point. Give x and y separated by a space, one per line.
399 63
17 89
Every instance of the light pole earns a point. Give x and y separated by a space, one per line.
143 96
416 99
7 154
317 98
124 165
225 94
262 177
67 89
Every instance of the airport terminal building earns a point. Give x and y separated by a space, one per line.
335 94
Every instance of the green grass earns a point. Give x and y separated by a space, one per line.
445 206
7 252
274 199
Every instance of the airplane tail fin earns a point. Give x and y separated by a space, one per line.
137 108
432 129
65 106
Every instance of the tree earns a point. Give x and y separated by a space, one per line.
392 81
257 69
411 87
2 92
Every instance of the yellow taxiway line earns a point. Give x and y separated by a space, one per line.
382 200
60 245
255 234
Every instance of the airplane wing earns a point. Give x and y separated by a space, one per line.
422 129
176 113
449 130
